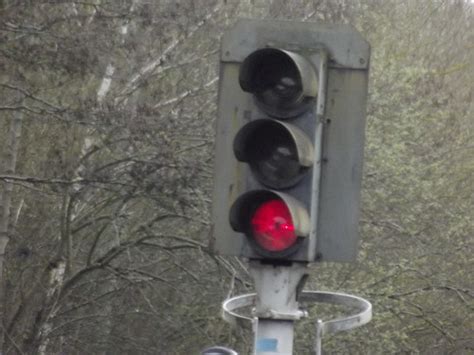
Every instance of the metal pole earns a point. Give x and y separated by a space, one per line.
319 330
276 306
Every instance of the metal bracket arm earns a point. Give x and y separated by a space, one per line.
272 314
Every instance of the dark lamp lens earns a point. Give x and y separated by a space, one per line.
273 156
272 226
277 158
278 81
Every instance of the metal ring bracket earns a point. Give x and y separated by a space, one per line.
363 316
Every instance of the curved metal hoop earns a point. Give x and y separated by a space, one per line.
363 316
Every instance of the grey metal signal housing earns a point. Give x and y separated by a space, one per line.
340 58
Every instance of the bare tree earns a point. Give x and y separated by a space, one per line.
105 214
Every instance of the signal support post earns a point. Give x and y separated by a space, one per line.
288 163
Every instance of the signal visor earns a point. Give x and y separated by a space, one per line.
284 83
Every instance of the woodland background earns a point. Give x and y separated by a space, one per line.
106 138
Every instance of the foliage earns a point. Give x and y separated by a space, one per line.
107 239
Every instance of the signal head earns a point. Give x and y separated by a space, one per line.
284 83
274 223
279 154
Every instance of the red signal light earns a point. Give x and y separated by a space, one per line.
272 226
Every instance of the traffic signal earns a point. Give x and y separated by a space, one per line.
278 152
286 180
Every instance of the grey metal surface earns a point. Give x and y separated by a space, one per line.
346 46
341 174
318 162
336 179
276 306
273 337
276 288
363 315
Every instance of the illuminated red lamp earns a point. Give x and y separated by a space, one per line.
274 223
272 226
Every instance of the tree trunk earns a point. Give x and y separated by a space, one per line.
5 204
